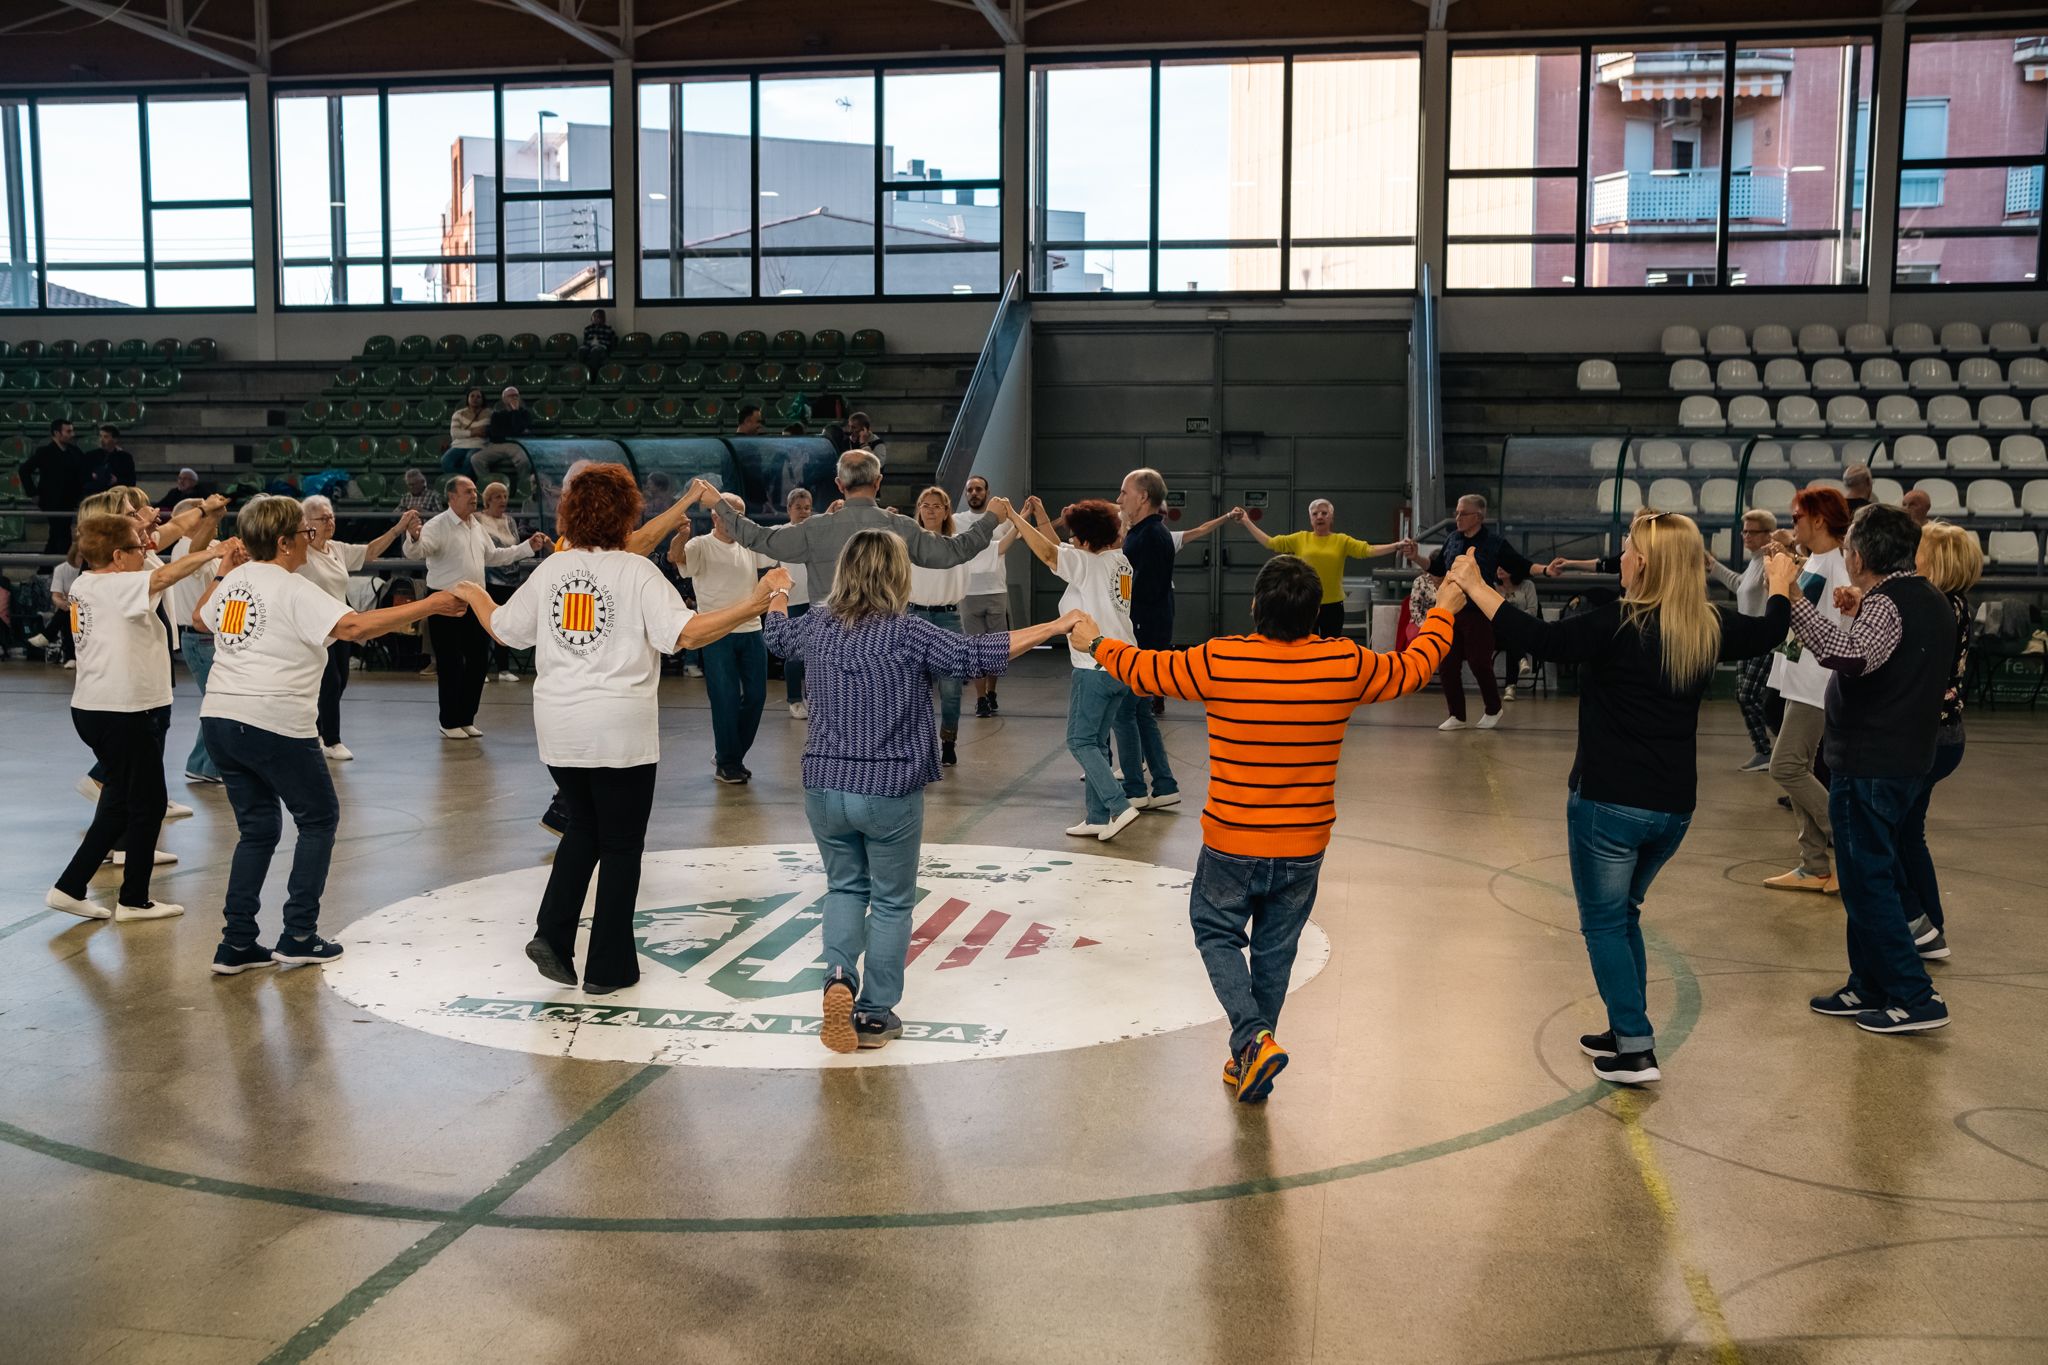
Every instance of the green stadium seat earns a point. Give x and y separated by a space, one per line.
380 348
6 348
52 410
450 347
134 351
809 375
349 378
89 413
846 377
610 377
31 349
536 375
573 377
829 344
484 345
586 413
15 449
349 414
709 346
13 530
495 376
727 378
522 346
280 452
768 375
429 414
688 377
316 450
25 381
167 350
62 378
415 348
63 349
18 414
131 380
96 351
199 351
547 413
651 377
388 414
560 346
163 379
126 413
867 341
705 412
93 380
356 452
791 407
633 346
625 415
382 379
664 412
419 379
674 345
788 345
373 487
750 344
397 452
317 412
460 378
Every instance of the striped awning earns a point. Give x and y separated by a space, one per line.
2034 71
1705 86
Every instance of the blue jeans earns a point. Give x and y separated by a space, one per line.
870 847
262 768
198 651
1273 897
1868 814
1137 736
949 686
736 679
1919 887
1616 852
793 669
1094 701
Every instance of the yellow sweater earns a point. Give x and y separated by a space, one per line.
1325 554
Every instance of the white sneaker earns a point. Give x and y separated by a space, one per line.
1490 720
164 858
175 810
1451 723
692 671
508 676
1083 830
71 663
337 753
472 732
154 910
72 905
88 789
1157 802
1118 824
1508 694
800 710
38 642
454 732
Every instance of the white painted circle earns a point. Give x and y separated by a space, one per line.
1013 951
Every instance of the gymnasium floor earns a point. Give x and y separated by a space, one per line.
255 1168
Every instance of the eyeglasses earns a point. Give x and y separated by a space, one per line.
128 549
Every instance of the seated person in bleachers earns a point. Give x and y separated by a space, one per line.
468 428
1856 486
189 485
598 340
419 497
510 420
860 432
1917 505
750 421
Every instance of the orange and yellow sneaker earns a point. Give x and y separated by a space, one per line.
1262 1059
1230 1072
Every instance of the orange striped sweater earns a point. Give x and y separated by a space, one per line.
1277 714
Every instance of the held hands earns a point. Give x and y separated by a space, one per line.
1848 600
1464 574
213 506
448 604
1001 508
220 549
1080 626
409 522
538 541
232 555
1451 597
700 493
466 592
774 581
1781 571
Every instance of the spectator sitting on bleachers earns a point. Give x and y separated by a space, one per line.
468 427
55 477
418 497
598 340
1856 486
750 421
109 466
189 485
510 420
1917 505
860 432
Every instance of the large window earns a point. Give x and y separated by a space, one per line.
126 201
1701 164
428 194
1975 139
1225 175
821 184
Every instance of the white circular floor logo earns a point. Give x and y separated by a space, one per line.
1012 951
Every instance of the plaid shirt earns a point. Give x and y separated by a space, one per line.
1863 646
427 504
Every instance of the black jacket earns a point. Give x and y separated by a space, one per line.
508 424
55 477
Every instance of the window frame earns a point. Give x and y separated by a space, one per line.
31 100
1730 39
1155 59
875 70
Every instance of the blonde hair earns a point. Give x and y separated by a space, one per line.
1950 557
1761 518
871 579
267 520
945 501
114 502
1672 590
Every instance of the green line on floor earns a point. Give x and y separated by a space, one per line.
37 918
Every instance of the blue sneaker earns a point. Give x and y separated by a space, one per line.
228 960
877 1030
1899 1019
1843 1004
305 952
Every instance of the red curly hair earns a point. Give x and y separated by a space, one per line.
1094 522
1828 506
599 508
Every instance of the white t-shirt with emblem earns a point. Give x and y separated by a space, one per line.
1098 583
1803 679
124 661
270 631
598 622
330 566
724 573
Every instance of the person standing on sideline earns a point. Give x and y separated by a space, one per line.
1820 518
120 706
799 506
736 664
868 756
1278 702
1646 660
1149 547
109 466
1473 642
1753 676
598 617
55 477
1325 548
271 625
328 564
1888 667
936 595
986 608
458 549
469 427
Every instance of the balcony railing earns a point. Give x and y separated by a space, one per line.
2023 192
1688 196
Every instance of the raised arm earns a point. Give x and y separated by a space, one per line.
930 550
188 523
498 556
790 543
1238 515
1573 639
408 524
655 530
1197 532
1148 672
1039 542
187 565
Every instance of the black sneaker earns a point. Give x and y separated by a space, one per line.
228 960
1899 1019
1934 945
732 777
555 820
599 988
305 952
877 1030
1159 706
550 962
948 755
837 1031
981 708
1843 1004
746 773
1628 1068
1597 1044
993 705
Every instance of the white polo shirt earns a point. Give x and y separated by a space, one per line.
459 551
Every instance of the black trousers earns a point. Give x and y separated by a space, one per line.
332 683
1471 643
58 541
1330 620
462 651
129 747
608 810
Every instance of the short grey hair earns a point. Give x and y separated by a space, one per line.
316 503
1149 482
1857 475
1477 500
1322 502
264 521
1760 518
859 469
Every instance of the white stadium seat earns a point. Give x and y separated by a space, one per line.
2023 452
1913 338
1797 412
1631 496
1737 375
1661 455
1991 498
2014 549
1701 413
1712 455
2011 336
1899 412
1970 452
2029 372
1598 376
1882 373
1772 339
2037 411
1691 376
1832 376
2034 498
1819 338
1941 495
1725 339
1866 338
1887 490
2041 340
1860 452
1814 455
1835 484
1721 544
1606 453
1773 495
2001 412
1785 376
1750 413
1847 412
1962 338
1948 412
1767 455
1916 452
1717 497
1671 495
1681 340
1930 374
1979 373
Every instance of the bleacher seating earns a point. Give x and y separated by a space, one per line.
1726 339
2011 336
1598 376
1772 339
1941 495
1819 338
1785 376
1962 338
1913 338
1682 340
1866 338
